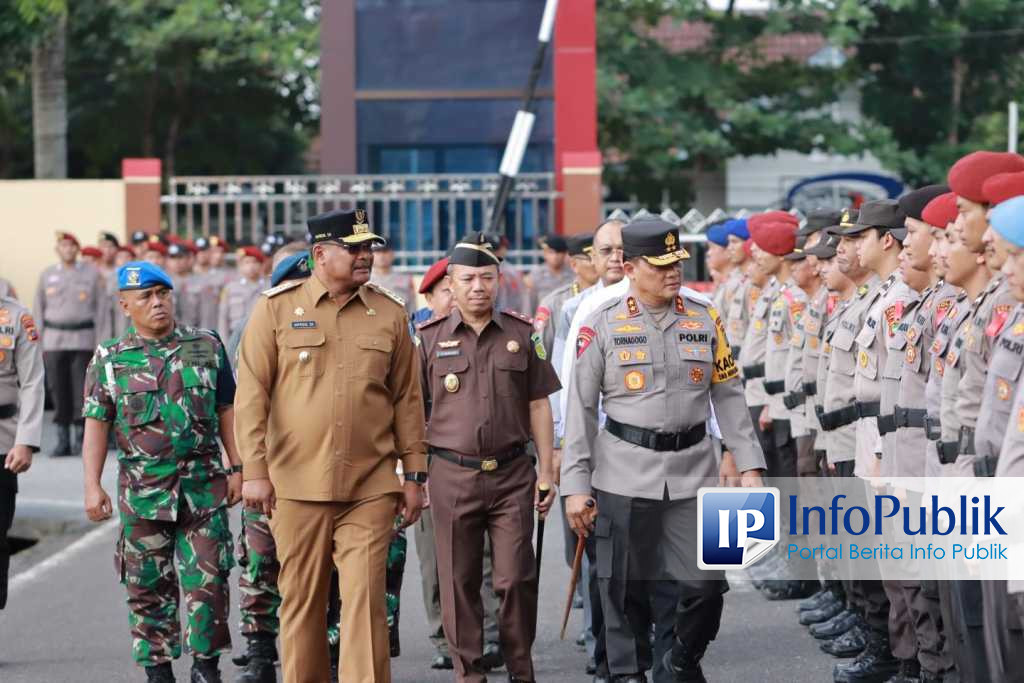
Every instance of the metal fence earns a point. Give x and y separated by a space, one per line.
421 215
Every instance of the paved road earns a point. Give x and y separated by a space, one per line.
67 621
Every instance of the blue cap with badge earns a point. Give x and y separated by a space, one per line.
1007 219
718 234
142 275
294 267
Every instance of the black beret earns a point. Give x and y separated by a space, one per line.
139 236
474 250
109 237
554 242
913 202
653 239
580 245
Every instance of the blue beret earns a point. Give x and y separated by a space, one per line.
142 275
1007 219
294 267
717 235
737 227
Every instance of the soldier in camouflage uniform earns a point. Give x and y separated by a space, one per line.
167 390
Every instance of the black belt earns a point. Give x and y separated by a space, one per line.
932 428
834 419
484 464
985 466
655 440
886 424
775 387
735 351
966 443
70 327
948 452
810 388
909 417
8 410
869 408
753 371
792 400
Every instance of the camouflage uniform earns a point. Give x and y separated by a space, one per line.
162 398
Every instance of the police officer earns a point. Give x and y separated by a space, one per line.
548 320
21 412
69 308
482 369
737 285
332 500
109 245
240 294
214 275
553 270
385 275
645 465
167 390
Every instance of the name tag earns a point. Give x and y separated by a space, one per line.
197 353
630 340
303 324
695 337
449 353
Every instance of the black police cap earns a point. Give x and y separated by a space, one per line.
654 240
580 245
346 227
913 202
474 250
819 219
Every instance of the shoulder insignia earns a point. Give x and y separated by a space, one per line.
386 292
283 287
518 316
429 323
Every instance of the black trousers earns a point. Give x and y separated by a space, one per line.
638 541
65 380
967 632
8 490
596 613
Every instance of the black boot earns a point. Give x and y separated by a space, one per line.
683 662
63 441
836 626
77 436
850 644
909 672
819 599
160 673
824 613
874 665
260 656
205 670
790 590
492 657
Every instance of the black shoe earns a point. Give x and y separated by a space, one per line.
874 665
836 626
909 672
63 447
630 678
817 600
260 657
442 663
77 436
682 662
850 644
591 668
205 671
492 657
160 673
929 677
601 678
791 590
817 616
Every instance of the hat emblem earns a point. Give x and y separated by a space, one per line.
360 227
670 241
133 277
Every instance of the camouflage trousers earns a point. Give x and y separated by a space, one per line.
261 600
154 560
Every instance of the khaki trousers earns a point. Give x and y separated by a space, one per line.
312 538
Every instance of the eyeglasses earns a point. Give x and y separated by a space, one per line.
356 248
608 251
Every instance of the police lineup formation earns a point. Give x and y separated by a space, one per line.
858 344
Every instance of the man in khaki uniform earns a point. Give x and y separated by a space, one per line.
240 294
70 306
328 401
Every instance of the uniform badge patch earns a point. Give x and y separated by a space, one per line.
640 355
300 311
911 354
541 318
1018 329
1020 420
999 316
625 329
813 341
633 307
697 375
625 356
679 305
777 337
303 324
1003 389
940 367
690 325
893 314
758 325
942 310
5 316
538 346
3 356
450 344
635 380
911 334
863 359
448 353
29 325
451 383
512 346
583 340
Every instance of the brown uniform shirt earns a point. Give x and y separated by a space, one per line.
485 409
328 396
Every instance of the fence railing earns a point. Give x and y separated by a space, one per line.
421 215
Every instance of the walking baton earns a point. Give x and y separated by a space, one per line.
545 491
577 562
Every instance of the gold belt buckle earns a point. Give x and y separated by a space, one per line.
489 465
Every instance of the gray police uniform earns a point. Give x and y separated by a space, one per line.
652 372
737 313
21 409
211 283
548 320
1011 464
787 423
752 358
400 284
802 379
189 291
236 300
949 321
543 282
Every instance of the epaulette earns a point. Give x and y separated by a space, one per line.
428 323
518 316
696 297
283 287
386 292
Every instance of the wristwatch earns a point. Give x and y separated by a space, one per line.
416 477
235 469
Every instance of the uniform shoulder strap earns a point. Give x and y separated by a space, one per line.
430 323
283 287
386 292
518 316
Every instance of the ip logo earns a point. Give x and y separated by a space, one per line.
736 527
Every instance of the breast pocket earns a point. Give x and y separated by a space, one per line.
634 370
449 378
137 405
200 393
697 364
510 375
1006 371
374 357
305 352
842 360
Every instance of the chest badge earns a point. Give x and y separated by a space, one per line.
451 383
863 359
370 311
1020 420
624 356
3 356
911 354
1018 329
813 341
303 356
911 335
641 355
1003 389
300 311
512 346
635 380
697 375
451 344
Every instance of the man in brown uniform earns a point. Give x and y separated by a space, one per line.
488 391
328 401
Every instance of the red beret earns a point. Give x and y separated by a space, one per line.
433 276
967 175
125 250
190 245
941 211
747 244
61 236
1003 186
773 217
157 246
774 236
92 251
255 252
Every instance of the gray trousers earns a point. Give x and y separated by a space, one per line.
423 531
1004 637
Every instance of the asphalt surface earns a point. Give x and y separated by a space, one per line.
66 618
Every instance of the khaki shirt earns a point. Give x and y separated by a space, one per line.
987 323
236 300
21 376
755 344
74 297
1001 382
737 311
328 396
479 387
787 310
808 346
965 337
655 371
